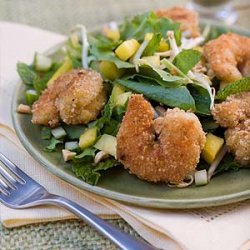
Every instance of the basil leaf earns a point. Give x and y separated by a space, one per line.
173 97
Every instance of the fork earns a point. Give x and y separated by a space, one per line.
18 191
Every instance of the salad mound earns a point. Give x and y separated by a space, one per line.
81 93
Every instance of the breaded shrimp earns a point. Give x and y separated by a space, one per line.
229 56
165 149
188 19
234 114
75 97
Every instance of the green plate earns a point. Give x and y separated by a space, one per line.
118 184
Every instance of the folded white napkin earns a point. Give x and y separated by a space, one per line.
225 227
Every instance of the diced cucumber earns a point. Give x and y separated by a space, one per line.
123 98
42 62
107 143
88 138
200 177
58 132
65 67
31 96
71 145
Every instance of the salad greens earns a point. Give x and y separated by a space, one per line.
160 70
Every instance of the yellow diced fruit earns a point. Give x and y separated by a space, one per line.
163 46
127 49
66 66
109 70
154 60
74 40
148 36
117 90
88 138
112 34
212 147
107 143
123 98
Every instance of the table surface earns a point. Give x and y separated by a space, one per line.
48 15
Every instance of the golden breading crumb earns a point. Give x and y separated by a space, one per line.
189 19
75 97
234 114
165 149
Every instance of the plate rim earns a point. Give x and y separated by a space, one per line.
128 199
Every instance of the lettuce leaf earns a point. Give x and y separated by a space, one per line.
25 72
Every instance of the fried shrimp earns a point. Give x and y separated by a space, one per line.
165 149
188 19
229 56
74 98
234 114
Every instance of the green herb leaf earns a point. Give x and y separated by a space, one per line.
187 59
86 152
74 131
201 98
106 164
236 87
86 172
107 55
152 45
166 79
147 23
173 97
52 146
27 75
227 164
46 133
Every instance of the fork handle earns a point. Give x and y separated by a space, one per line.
122 240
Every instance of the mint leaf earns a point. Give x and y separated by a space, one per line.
173 97
236 87
27 75
187 59
52 146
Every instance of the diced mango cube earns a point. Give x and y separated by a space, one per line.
163 46
127 49
112 34
212 147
